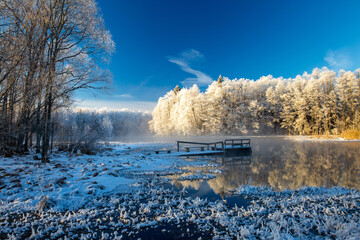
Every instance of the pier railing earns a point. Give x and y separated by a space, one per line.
237 142
201 146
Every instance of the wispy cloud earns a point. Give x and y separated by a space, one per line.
347 58
191 55
114 105
184 60
338 60
123 96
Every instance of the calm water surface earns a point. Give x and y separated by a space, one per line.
284 163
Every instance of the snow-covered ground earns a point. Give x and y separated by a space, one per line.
122 194
71 180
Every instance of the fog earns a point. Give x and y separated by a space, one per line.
286 163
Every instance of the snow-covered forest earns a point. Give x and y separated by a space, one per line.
322 102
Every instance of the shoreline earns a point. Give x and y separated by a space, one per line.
321 138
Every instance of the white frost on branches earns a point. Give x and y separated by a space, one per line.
321 102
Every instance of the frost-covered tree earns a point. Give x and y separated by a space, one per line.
177 89
187 109
163 118
328 100
347 90
107 127
274 97
215 108
48 50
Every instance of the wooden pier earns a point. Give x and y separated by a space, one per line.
228 147
236 147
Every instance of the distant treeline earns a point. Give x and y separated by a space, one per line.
322 102
82 129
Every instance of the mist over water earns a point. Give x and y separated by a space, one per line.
151 138
144 138
284 163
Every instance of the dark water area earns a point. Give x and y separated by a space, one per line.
285 163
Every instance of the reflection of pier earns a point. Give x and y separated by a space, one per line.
235 161
229 147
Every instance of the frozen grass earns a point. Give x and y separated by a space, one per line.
351 134
119 194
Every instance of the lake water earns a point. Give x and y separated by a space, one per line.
284 163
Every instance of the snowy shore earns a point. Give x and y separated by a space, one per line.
121 194
324 138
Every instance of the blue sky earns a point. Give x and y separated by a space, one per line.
164 43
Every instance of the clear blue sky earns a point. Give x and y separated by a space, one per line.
160 43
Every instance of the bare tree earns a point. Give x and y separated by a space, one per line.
49 49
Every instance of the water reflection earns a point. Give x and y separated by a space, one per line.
204 190
234 161
285 164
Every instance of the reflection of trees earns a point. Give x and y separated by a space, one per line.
219 184
284 164
290 165
296 164
187 183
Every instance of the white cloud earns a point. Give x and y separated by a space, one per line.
347 58
191 55
184 61
338 60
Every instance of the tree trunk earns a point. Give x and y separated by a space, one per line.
52 136
47 129
4 122
38 129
